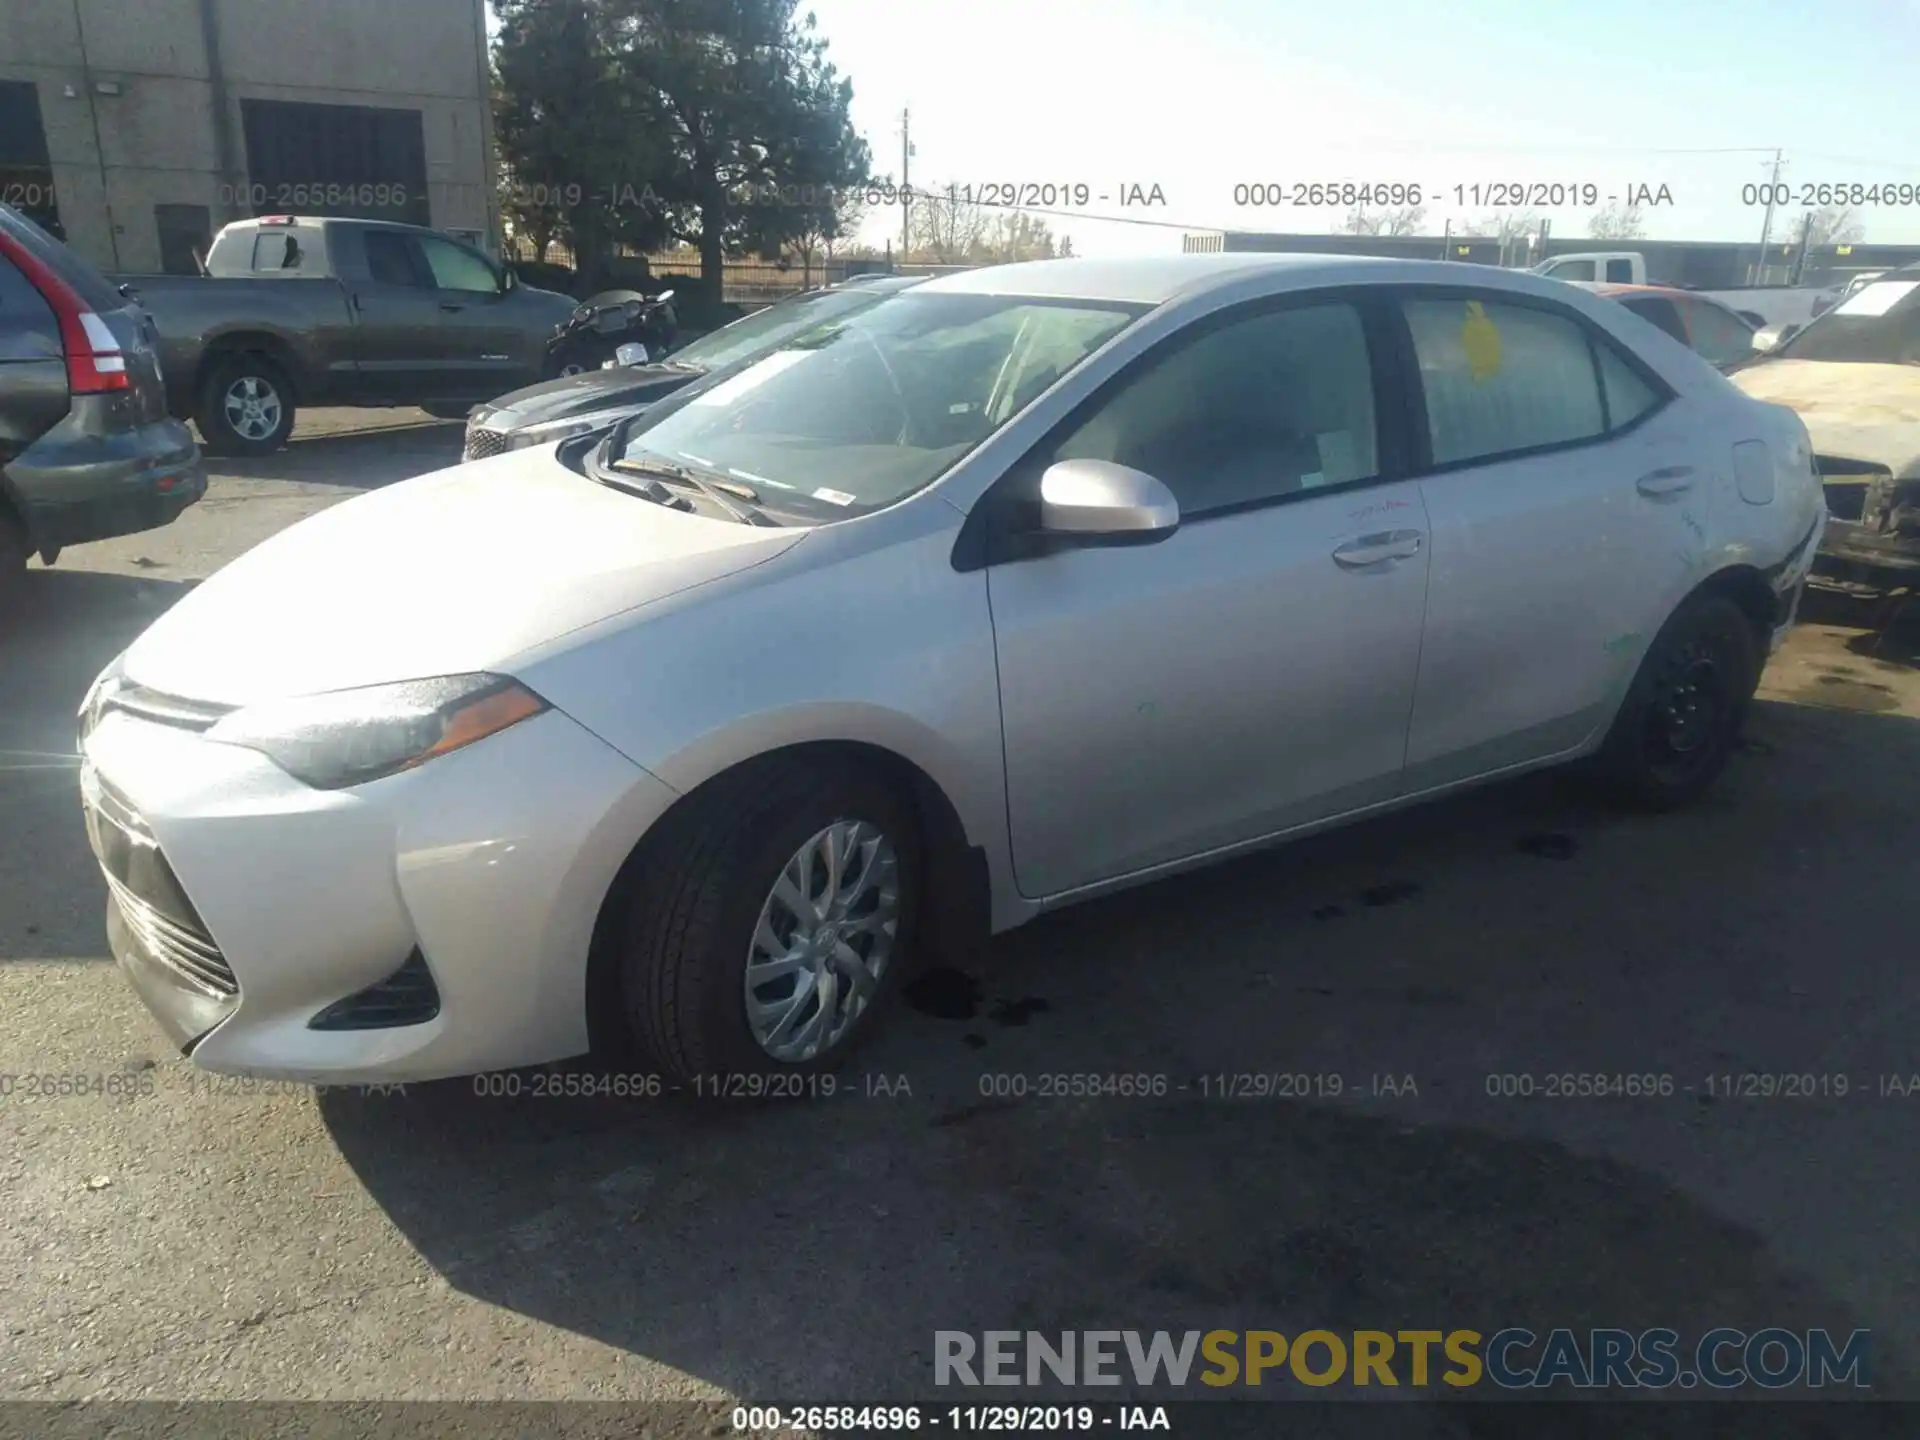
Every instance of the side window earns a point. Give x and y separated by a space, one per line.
1659 310
1573 270
1628 396
1501 377
1262 407
390 258
1620 272
1719 337
276 250
457 268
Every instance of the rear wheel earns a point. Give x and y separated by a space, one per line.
1683 713
246 407
770 922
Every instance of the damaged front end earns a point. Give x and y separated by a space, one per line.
1873 521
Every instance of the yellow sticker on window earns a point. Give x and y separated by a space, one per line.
1480 338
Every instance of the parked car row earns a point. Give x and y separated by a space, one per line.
1004 590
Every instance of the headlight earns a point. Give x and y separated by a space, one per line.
347 737
550 431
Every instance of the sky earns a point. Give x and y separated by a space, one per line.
1200 96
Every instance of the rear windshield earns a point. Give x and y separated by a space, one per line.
92 287
1877 324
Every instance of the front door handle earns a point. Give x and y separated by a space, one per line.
1670 481
1378 549
450 306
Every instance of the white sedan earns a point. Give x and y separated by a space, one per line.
1020 587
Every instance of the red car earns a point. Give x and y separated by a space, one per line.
1719 335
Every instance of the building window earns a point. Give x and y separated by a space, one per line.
26 174
352 160
186 234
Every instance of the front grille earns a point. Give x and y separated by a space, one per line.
187 952
482 442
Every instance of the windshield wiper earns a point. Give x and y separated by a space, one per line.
717 491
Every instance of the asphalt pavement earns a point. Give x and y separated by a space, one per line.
210 1239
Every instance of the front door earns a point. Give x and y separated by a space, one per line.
398 345
482 348
1255 670
1568 504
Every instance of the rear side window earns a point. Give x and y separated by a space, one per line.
390 259
1620 272
88 283
1501 378
1628 394
1660 311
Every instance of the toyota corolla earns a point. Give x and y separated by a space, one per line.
1017 588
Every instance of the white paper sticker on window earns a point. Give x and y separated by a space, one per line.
751 378
835 497
1878 298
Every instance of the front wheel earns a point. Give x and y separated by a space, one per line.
770 922
1683 712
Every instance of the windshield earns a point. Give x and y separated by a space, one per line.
773 325
1877 324
870 407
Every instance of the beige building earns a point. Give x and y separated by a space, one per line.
139 127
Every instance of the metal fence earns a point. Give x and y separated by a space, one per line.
748 282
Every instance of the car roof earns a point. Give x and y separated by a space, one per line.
1153 280
1621 287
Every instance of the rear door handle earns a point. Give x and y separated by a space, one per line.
1378 549
1670 481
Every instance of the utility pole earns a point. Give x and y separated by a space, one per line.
906 191
1766 225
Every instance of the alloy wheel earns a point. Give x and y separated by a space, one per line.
252 408
824 939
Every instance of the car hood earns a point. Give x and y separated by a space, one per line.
583 394
1854 411
449 573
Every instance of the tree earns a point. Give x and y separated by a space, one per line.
1016 235
946 229
1832 225
577 158
1617 222
830 227
1514 229
1403 221
753 114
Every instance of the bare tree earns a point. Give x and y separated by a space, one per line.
945 229
1016 235
1514 229
1618 222
1403 221
850 213
1833 225
833 220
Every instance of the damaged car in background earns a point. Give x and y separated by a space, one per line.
1854 377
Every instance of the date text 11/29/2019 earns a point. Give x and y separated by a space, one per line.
773 1420
1491 194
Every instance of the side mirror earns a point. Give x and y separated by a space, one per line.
1099 500
631 353
1772 337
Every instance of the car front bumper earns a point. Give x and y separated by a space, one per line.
243 903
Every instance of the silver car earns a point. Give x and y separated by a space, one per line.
1020 587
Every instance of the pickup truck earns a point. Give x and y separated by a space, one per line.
298 310
1759 305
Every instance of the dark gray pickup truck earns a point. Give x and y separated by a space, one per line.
296 310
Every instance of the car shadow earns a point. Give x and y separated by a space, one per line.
54 639
362 459
1383 977
1886 629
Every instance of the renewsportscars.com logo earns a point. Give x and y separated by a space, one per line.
1510 1359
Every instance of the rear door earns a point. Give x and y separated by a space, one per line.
397 321
1566 488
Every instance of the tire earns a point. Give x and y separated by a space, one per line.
1684 710
226 388
692 918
